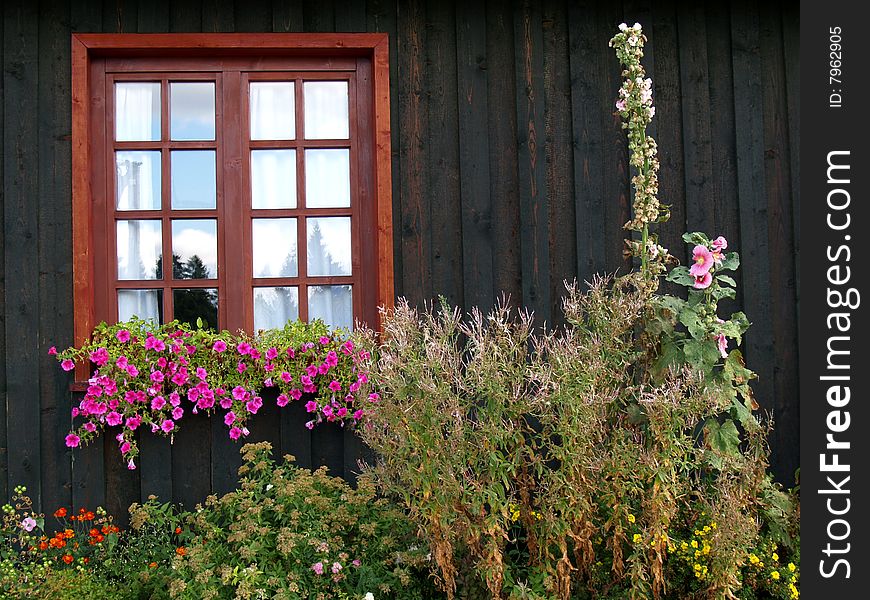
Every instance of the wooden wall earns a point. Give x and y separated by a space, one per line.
510 176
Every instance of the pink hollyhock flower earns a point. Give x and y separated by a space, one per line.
219 346
243 348
722 342
703 281
28 524
334 386
283 400
311 406
123 336
229 418
317 568
167 425
125 447
235 433
177 412
158 403
719 244
113 418
702 260
67 365
52 351
271 353
72 440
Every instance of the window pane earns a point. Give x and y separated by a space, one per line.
137 111
140 249
274 246
273 110
273 178
138 180
274 306
327 178
194 249
193 179
191 110
333 304
326 110
329 246
188 305
144 304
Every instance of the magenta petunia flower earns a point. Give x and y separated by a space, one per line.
67 365
271 353
219 346
52 351
177 412
123 336
358 415
309 425
158 403
125 447
131 465
134 422
286 377
90 427
235 433
722 342
324 340
241 367
311 406
374 397
283 400
702 260
201 373
334 386
167 425
113 418
703 281
72 440
229 418
243 348
239 392
157 376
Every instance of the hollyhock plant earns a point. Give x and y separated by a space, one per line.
154 376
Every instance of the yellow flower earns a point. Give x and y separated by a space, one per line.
753 559
774 575
694 543
637 538
775 556
683 545
713 525
631 518
791 567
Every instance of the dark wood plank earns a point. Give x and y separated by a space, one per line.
253 15
4 440
217 15
502 128
780 230
327 448
319 15
695 84
153 16
155 466
191 459
414 280
86 16
559 152
350 15
295 437
791 53
755 247
185 16
21 232
122 484
531 158
442 152
586 61
357 456
286 16
474 152
667 94
55 256
120 16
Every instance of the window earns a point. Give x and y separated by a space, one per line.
241 179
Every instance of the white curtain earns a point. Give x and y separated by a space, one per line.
138 303
272 110
273 307
333 304
273 178
137 111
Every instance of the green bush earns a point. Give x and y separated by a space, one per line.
290 533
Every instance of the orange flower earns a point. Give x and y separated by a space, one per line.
99 538
89 516
43 545
69 534
152 565
177 530
67 558
180 551
60 513
86 560
94 532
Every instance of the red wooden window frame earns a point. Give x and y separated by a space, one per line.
95 54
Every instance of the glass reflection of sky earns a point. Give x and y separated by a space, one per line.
140 247
196 237
333 304
329 246
137 180
274 306
326 110
273 178
191 110
137 111
327 178
193 179
274 247
272 109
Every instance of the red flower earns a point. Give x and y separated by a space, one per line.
180 551
67 558
177 530
60 513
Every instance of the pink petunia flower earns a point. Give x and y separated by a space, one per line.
235 433
229 418
123 336
324 340
125 447
243 348
67 365
134 422
167 425
52 351
72 440
702 260
177 412
271 353
90 427
157 403
703 281
201 373
374 397
131 465
113 418
311 406
309 425
283 400
241 367
239 392
219 346
722 342
334 386
286 377
358 415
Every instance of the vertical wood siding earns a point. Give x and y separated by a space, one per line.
510 176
